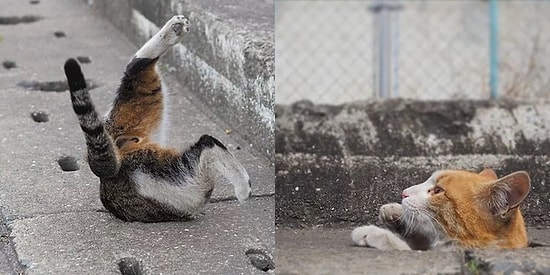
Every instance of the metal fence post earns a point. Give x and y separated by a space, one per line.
383 46
493 48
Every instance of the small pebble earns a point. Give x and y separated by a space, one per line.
238 148
59 34
83 59
68 163
34 2
130 266
9 64
40 117
260 259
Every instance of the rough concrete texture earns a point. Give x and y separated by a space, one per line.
226 61
55 219
330 251
414 128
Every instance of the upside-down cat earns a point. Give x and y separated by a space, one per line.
140 179
453 209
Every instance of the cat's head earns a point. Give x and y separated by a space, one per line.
472 209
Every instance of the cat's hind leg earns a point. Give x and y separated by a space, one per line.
216 161
380 238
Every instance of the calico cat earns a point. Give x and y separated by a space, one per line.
141 180
453 209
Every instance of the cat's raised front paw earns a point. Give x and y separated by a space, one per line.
390 213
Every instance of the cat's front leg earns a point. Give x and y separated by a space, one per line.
390 215
380 238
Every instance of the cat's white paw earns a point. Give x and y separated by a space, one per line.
243 190
390 213
169 35
376 237
177 24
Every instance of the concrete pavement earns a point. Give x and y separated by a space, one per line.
330 251
54 220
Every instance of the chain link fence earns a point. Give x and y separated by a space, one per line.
342 51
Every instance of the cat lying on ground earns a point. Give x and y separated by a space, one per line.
450 209
140 179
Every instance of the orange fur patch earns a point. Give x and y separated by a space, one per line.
135 121
465 214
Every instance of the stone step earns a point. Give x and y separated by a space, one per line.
318 189
400 127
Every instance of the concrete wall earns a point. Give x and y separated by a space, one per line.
225 62
339 164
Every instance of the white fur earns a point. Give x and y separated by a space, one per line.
168 36
377 237
418 195
187 195
160 134
226 165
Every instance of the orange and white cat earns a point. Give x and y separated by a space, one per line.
453 208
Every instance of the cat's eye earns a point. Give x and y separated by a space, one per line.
437 190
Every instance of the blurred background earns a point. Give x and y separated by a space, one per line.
342 51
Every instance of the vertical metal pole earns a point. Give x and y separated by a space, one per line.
395 52
382 49
493 48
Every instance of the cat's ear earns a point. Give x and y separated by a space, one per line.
489 173
507 193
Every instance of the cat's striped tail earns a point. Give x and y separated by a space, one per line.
102 156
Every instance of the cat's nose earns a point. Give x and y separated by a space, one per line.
404 195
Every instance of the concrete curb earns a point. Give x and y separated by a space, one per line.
414 128
226 61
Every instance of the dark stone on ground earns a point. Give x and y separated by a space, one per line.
261 259
52 86
130 266
12 20
40 116
9 64
84 59
59 34
68 163
34 2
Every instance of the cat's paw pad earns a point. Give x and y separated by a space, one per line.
391 212
178 24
